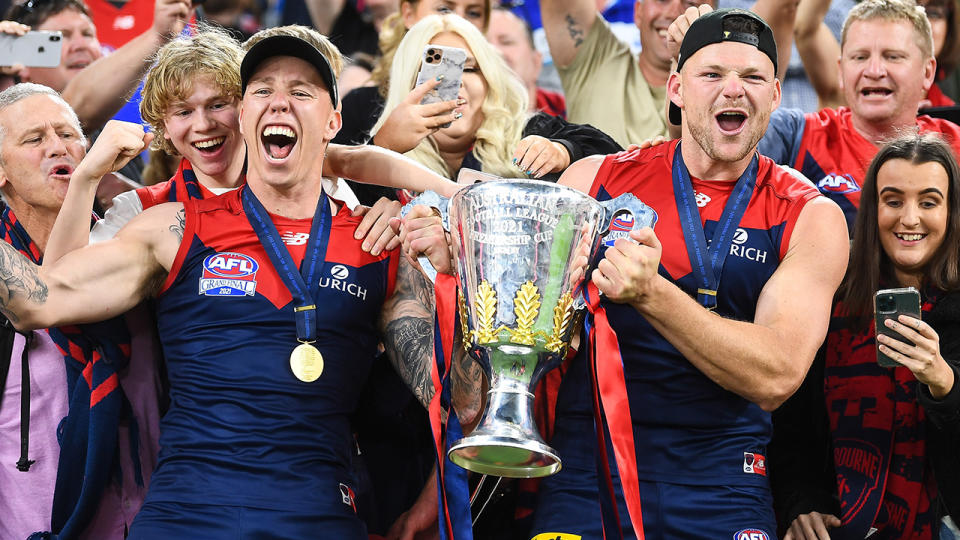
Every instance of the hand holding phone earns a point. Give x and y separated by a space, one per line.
445 64
33 49
890 304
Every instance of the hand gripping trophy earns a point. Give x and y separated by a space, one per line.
520 245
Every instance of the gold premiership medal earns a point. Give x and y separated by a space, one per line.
306 362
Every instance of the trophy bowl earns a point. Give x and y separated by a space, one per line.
523 249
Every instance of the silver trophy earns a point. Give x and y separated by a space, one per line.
524 247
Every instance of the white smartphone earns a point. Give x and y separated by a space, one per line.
33 49
439 60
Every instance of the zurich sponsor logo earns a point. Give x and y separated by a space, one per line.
339 272
838 183
751 534
229 274
339 279
740 236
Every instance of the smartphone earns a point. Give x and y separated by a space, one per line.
439 60
33 49
890 304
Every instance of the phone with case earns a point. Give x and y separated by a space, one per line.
33 49
890 304
446 61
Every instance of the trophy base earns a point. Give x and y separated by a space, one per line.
505 456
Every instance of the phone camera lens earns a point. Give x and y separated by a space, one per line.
436 57
54 38
40 49
887 304
431 52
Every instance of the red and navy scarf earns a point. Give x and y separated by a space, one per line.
879 440
92 353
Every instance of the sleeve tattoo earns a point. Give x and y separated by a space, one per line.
407 326
19 281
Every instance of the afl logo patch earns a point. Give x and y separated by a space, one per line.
838 183
751 534
229 274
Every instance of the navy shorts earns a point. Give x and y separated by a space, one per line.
568 505
167 520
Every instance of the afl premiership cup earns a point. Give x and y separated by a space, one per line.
520 245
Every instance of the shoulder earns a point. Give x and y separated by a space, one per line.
949 130
786 183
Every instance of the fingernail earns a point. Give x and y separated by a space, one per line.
439 77
458 116
366 247
514 161
461 101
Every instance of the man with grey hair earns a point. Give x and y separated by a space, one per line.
47 408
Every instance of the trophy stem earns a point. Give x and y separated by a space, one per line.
506 443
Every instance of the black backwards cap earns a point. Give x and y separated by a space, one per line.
288 46
709 29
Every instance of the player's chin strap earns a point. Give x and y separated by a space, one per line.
453 492
610 402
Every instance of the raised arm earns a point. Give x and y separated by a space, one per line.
819 51
370 164
780 15
566 24
118 143
96 282
101 89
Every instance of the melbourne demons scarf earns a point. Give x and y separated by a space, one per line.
879 443
92 353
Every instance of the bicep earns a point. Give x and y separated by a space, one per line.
796 301
580 175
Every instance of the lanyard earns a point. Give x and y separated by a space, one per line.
706 261
295 279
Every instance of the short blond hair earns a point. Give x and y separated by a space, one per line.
893 10
210 51
311 36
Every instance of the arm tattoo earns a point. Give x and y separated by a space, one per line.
177 228
407 326
576 32
18 279
467 391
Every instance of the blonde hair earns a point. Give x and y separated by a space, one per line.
307 34
504 109
211 51
893 10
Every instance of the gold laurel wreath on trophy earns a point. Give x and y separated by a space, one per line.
526 307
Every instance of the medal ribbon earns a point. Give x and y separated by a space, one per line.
610 400
295 279
453 494
706 261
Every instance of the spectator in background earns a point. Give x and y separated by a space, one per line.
819 49
884 439
352 25
512 37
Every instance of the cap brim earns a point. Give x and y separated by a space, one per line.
288 46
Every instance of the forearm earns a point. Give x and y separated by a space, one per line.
751 360
72 229
371 164
566 24
819 51
781 16
100 90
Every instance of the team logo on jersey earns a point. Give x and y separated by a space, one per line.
556 536
838 183
348 497
124 22
339 279
701 198
751 534
229 274
754 463
619 228
291 238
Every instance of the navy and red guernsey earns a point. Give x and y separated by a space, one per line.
827 149
687 430
242 430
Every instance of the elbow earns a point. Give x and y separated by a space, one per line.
25 322
779 387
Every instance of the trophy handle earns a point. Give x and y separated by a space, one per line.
438 202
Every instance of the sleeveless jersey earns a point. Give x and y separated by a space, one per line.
828 150
242 429
687 429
